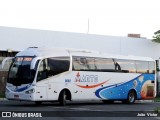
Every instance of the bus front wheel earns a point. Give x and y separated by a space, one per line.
62 98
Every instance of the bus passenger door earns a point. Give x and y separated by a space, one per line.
42 82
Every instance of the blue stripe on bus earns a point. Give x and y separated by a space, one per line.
23 88
120 91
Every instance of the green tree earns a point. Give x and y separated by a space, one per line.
156 37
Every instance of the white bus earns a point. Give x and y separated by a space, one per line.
42 74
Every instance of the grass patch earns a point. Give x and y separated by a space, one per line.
2 95
157 109
157 99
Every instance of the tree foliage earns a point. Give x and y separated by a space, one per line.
156 37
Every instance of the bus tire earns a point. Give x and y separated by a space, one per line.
62 98
131 97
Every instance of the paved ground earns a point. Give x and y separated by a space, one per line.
84 110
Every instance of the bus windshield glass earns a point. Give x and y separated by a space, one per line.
20 72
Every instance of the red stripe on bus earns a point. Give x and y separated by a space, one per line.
92 86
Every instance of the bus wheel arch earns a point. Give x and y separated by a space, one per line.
64 95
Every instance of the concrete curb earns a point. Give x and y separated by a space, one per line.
143 101
137 101
3 99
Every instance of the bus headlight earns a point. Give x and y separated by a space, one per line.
30 91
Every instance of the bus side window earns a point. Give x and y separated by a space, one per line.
151 67
91 64
42 71
76 65
84 64
127 66
80 63
104 65
57 65
142 66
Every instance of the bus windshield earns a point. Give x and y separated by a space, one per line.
20 72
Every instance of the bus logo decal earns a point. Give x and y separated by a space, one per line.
86 78
89 79
78 78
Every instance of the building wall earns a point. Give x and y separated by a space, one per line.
3 76
3 72
19 39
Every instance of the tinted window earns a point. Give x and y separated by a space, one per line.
104 64
112 65
151 67
57 65
142 67
42 71
80 63
52 66
20 72
91 63
126 65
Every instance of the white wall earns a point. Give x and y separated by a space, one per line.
19 39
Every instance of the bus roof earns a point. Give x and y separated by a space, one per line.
43 52
89 53
55 52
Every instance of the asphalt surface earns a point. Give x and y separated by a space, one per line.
80 110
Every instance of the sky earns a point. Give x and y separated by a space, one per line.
104 17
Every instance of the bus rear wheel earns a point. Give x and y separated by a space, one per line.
62 98
131 97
